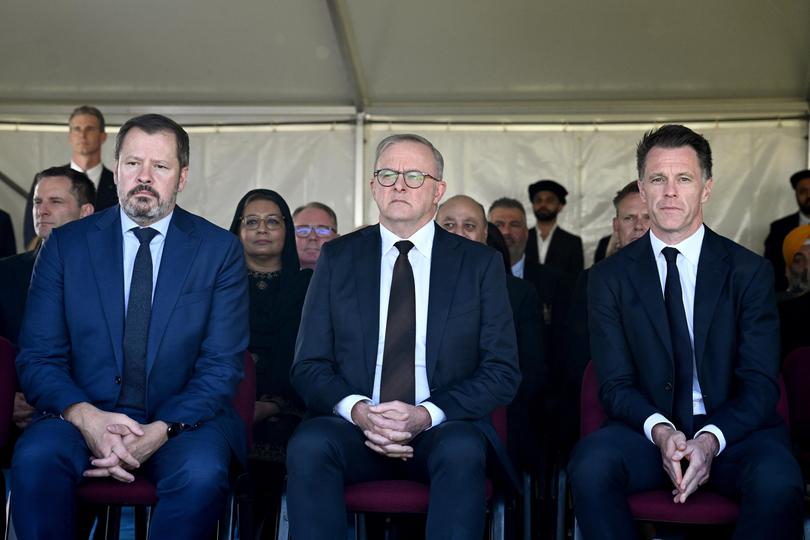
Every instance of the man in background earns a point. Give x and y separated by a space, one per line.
800 182
86 136
315 224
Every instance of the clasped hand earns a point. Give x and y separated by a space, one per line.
390 426
118 443
675 449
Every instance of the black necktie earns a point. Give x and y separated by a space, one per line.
681 344
397 380
139 310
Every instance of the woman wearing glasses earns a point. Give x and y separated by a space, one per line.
277 289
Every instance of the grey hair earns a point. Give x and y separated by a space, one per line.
410 137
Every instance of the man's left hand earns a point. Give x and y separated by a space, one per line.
394 424
700 452
141 447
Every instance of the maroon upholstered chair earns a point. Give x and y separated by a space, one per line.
702 507
8 383
796 372
406 497
141 493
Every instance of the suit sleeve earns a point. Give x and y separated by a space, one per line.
43 363
495 380
314 373
219 365
619 389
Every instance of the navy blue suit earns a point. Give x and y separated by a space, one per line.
472 368
71 351
736 348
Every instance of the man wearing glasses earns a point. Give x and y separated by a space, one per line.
315 224
406 346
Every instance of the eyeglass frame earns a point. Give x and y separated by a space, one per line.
404 177
263 220
314 228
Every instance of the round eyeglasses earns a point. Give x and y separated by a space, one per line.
321 231
272 222
413 179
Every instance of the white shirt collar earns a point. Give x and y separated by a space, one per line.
689 248
161 226
94 173
422 239
803 219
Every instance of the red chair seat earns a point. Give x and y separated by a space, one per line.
701 507
141 492
392 497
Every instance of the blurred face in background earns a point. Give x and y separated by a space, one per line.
55 204
262 231
463 216
632 220
512 224
313 228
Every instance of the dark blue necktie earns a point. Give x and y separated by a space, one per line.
681 344
136 331
398 380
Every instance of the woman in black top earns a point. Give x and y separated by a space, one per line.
277 289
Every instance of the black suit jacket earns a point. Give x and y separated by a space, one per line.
106 196
773 247
15 277
736 337
471 354
8 245
564 252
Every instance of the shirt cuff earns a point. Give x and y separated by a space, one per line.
345 405
714 430
437 415
650 423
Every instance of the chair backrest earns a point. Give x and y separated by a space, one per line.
244 401
500 423
8 382
796 372
592 415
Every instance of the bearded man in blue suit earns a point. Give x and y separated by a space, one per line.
131 350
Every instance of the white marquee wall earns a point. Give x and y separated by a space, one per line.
316 162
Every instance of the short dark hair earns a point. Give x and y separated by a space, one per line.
155 123
798 176
410 137
507 202
319 206
631 187
91 111
80 185
674 136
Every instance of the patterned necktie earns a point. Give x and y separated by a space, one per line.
397 380
136 331
681 343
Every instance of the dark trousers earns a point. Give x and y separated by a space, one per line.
327 453
190 472
759 472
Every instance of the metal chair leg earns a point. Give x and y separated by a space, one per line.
527 506
283 529
562 492
498 522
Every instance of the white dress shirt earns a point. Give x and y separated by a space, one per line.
518 267
687 264
93 173
419 257
131 245
542 245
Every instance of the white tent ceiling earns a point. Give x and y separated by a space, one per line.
507 60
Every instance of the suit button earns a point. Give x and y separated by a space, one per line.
117 379
668 387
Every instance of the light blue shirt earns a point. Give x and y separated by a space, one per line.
687 269
518 267
419 257
131 245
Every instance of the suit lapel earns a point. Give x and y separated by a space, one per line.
105 245
366 257
179 253
711 275
445 263
643 275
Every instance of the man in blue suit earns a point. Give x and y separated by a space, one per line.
406 346
685 341
131 350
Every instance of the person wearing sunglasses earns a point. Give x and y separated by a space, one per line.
315 225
